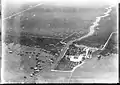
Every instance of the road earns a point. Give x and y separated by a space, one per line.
108 40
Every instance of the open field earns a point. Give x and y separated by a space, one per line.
32 44
52 23
98 70
106 26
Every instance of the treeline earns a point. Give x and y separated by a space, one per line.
52 8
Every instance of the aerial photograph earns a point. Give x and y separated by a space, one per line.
60 41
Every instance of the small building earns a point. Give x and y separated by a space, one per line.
76 58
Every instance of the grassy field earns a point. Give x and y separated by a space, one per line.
94 70
18 62
49 21
106 26
55 23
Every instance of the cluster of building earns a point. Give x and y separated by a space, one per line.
82 53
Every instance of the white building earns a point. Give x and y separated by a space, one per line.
76 58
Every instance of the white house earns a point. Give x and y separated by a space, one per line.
76 58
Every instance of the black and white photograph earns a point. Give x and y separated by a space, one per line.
60 41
